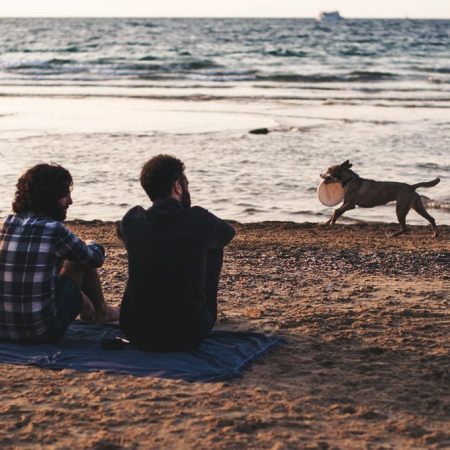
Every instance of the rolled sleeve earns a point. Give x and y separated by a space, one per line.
223 235
69 246
219 232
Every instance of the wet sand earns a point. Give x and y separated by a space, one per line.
366 364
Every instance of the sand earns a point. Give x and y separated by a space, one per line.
366 364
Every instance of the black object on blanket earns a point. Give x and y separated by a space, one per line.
221 356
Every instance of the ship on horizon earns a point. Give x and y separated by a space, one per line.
331 16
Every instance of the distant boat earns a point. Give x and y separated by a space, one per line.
332 16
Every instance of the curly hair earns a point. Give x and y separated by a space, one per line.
159 174
40 188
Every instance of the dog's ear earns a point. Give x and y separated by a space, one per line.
346 164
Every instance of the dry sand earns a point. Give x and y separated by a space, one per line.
366 366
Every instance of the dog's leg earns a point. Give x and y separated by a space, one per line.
402 211
338 212
420 209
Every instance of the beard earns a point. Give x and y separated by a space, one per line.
57 212
186 198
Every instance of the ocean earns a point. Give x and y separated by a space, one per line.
101 96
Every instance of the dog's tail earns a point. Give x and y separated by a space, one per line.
426 183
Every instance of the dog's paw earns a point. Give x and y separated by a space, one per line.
325 224
398 233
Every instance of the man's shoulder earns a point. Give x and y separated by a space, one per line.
198 210
47 225
134 217
201 212
27 228
137 212
216 230
31 221
202 215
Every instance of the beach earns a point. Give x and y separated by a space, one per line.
365 365
364 316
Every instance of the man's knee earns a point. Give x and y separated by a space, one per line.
74 270
214 258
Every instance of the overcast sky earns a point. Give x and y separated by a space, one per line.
227 8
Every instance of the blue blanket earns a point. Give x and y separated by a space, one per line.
223 355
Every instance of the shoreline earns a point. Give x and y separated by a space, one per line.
366 363
306 224
105 141
381 230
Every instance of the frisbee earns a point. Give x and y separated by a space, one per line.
330 194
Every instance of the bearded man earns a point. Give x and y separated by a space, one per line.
175 255
48 275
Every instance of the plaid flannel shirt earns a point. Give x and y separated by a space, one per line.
32 249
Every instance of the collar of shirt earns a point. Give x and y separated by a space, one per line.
167 204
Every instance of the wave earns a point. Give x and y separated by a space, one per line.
58 61
371 76
310 212
138 23
435 204
287 53
355 76
436 80
254 210
443 70
427 104
71 49
222 75
96 75
159 69
196 64
40 64
191 93
324 214
356 52
148 58
433 166
428 43
107 60
187 84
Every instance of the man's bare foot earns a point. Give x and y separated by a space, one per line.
110 315
87 313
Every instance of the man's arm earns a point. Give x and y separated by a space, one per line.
122 227
222 232
69 246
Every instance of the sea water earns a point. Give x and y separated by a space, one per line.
101 96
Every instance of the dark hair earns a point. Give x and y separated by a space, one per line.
39 189
159 174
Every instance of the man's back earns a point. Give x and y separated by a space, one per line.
32 249
166 300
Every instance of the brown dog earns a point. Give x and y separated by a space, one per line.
368 193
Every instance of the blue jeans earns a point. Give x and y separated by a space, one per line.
68 303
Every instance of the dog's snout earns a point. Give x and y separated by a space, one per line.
327 178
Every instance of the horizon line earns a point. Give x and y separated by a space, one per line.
221 17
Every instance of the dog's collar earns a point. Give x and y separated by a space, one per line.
350 179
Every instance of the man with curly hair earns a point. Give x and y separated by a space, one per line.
175 255
48 275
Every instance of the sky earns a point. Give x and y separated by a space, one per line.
439 9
